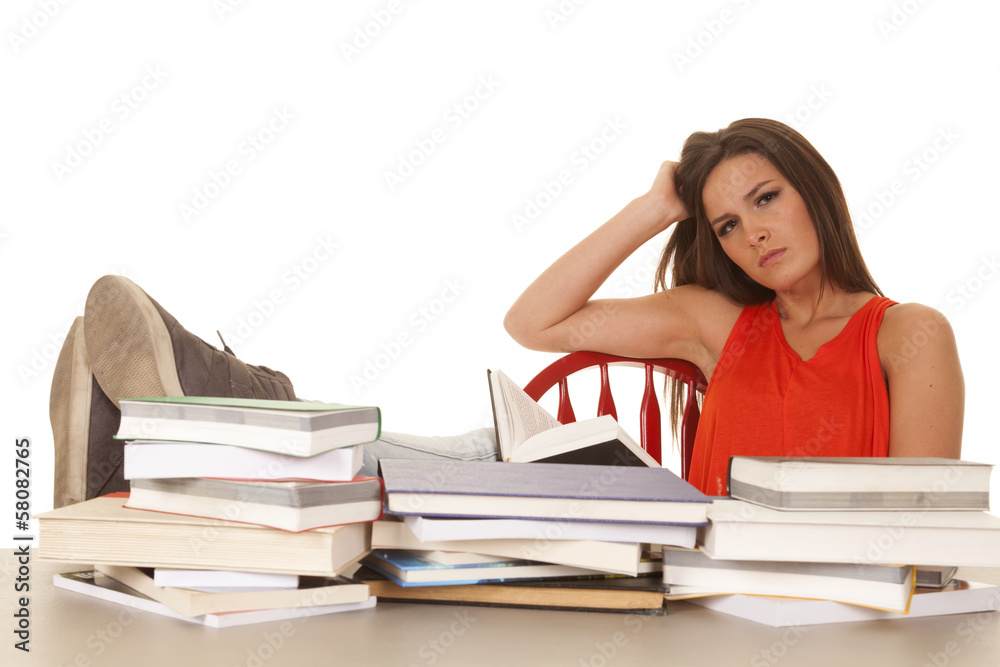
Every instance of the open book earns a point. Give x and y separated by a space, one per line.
527 432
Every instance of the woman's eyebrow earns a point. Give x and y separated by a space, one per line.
745 198
755 189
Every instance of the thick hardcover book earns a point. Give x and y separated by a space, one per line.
527 432
860 483
745 531
690 573
312 591
556 491
292 506
408 568
294 428
958 597
637 595
98 585
103 531
151 459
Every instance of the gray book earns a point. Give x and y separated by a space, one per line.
295 428
894 483
289 505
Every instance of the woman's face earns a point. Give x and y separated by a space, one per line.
762 222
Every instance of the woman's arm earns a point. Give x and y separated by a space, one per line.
926 387
556 313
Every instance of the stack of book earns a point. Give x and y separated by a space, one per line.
845 531
470 531
240 511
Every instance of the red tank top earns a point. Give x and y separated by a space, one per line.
764 400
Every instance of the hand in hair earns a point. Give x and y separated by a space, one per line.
665 199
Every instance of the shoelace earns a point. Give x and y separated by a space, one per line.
229 350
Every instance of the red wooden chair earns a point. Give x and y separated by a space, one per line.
649 416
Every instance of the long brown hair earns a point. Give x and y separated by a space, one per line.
693 254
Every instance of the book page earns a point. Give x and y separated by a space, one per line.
532 417
518 414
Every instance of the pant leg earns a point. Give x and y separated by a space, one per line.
477 445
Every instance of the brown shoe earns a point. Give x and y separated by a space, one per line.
137 349
88 460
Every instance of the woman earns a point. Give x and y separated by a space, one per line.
771 299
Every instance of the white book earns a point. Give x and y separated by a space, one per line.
98 585
313 591
429 529
288 505
860 484
217 580
745 531
154 459
959 597
691 573
296 428
527 432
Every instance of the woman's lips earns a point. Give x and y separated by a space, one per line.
770 257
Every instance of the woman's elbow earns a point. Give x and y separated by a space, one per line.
518 328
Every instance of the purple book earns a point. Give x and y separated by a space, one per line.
553 491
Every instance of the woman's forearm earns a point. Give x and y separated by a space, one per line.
566 286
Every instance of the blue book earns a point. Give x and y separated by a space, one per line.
407 568
552 491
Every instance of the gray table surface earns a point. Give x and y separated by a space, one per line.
72 629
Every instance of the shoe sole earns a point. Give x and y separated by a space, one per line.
69 414
131 352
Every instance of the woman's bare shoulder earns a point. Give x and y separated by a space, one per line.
904 318
909 328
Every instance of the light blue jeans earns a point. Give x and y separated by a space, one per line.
477 445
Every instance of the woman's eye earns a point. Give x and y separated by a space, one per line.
726 227
767 197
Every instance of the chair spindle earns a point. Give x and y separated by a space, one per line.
606 404
649 420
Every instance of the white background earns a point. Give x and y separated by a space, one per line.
872 84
